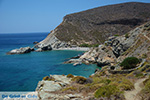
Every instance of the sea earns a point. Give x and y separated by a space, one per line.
22 72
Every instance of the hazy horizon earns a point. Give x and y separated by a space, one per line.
36 16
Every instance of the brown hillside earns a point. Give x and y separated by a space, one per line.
96 25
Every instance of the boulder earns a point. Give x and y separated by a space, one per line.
35 42
20 51
44 48
45 88
73 61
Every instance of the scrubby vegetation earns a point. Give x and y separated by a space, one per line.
69 88
116 35
130 63
88 45
70 76
125 84
107 91
145 92
47 78
104 85
79 79
96 25
101 85
126 35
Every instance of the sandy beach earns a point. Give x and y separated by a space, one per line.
75 48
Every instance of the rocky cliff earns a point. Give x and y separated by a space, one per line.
134 43
94 26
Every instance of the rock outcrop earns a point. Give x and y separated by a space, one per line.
94 26
20 51
46 89
44 48
134 43
101 56
52 41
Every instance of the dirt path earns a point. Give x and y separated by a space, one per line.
147 37
132 95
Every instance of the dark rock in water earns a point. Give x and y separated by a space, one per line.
96 70
35 42
20 51
44 48
76 57
32 49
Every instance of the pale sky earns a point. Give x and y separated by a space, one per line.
26 16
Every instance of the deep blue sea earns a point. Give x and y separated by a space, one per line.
23 71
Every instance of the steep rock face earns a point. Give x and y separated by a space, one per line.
139 41
53 41
44 48
135 43
102 55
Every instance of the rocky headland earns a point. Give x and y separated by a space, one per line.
22 50
94 26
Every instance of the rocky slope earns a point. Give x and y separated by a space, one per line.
108 83
94 26
134 43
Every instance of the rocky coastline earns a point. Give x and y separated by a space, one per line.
107 56
111 77
22 50
109 83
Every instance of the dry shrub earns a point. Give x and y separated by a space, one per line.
70 76
79 79
47 78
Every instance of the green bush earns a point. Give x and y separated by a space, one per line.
139 75
107 91
116 35
130 63
95 45
127 35
88 45
83 45
97 80
144 55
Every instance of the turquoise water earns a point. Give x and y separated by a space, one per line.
22 72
